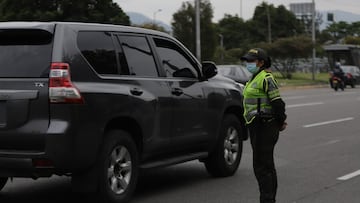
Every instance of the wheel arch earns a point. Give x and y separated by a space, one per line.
130 126
238 112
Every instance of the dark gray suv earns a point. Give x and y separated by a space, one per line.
101 102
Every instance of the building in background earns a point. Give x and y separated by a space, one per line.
303 12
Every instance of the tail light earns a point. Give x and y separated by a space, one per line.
349 75
42 163
61 89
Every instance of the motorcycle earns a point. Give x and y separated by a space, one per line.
337 83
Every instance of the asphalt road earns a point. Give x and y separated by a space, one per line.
317 159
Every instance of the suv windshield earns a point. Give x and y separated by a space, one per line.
25 53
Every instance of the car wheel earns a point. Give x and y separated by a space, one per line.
118 167
224 160
2 182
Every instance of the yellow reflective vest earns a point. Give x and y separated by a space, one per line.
258 93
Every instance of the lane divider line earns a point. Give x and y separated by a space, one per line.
294 97
349 176
304 104
328 122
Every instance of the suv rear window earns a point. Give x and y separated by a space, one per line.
139 57
98 48
25 53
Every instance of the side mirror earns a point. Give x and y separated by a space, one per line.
184 72
209 69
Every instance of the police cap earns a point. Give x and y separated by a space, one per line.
255 54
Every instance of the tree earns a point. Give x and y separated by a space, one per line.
354 29
285 51
100 11
324 37
352 40
234 31
342 32
183 26
28 10
283 23
338 30
230 56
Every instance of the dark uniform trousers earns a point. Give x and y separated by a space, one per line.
264 134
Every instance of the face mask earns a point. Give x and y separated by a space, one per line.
251 67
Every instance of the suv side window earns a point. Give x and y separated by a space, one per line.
138 55
99 50
175 61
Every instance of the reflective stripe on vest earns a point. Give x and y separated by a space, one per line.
252 114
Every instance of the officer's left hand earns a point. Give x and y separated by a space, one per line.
283 127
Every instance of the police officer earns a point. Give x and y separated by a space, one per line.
264 112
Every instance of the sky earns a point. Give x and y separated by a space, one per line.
164 9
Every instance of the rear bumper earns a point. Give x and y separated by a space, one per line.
67 149
22 167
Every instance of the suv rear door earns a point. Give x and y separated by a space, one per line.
25 58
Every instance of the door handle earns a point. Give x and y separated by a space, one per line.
177 91
136 91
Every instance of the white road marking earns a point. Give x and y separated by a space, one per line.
349 176
325 144
304 104
331 142
294 97
344 93
329 122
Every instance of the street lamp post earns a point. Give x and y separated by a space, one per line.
269 23
221 47
313 39
154 16
241 9
198 44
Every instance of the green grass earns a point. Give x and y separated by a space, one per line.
301 79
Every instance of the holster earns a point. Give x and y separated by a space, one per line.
261 116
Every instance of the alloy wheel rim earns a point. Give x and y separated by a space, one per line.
119 170
231 146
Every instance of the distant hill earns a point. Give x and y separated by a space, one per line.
339 16
138 19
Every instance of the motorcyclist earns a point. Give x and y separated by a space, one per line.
339 73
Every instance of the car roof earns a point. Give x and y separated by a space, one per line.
27 25
348 67
78 26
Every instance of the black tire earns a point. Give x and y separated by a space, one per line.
225 159
119 168
3 181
